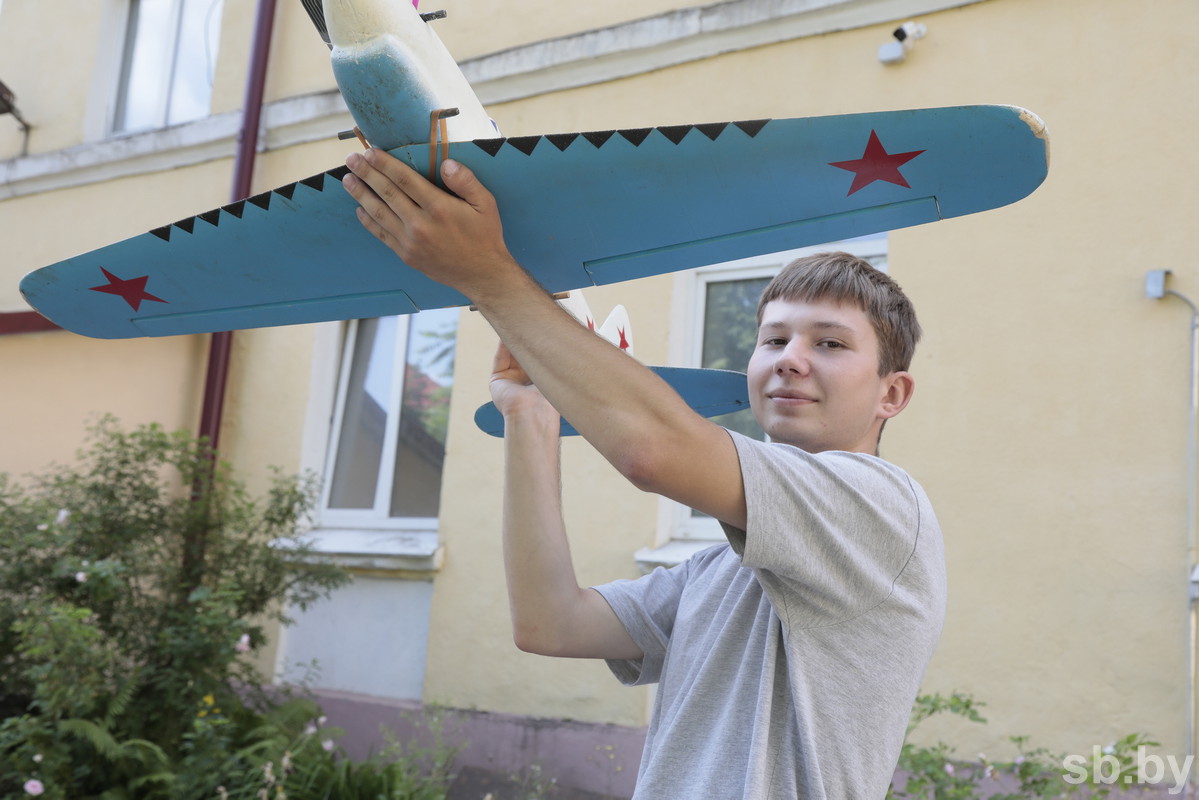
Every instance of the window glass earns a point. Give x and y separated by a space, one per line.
729 335
167 69
364 415
425 414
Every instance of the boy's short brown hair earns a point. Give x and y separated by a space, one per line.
843 278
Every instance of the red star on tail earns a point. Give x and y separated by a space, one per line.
132 291
876 164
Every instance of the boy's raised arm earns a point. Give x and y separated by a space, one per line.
551 614
626 412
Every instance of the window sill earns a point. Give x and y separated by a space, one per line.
399 554
671 554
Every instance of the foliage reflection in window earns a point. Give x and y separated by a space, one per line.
729 335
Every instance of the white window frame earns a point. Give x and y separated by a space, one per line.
376 517
361 538
680 534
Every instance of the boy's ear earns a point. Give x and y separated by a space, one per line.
898 388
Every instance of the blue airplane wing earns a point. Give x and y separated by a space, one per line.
709 392
579 209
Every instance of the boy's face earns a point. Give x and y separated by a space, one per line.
813 378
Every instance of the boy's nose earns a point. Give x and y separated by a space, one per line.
794 358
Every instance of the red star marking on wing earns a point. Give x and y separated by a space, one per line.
132 291
876 164
624 343
590 324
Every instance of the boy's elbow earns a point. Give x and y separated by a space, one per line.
534 641
526 643
643 467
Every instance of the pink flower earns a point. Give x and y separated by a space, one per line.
949 768
81 577
243 644
34 787
327 744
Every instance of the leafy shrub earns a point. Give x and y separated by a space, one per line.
131 585
936 772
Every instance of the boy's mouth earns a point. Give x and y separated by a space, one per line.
790 396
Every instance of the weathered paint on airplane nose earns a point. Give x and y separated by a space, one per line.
393 72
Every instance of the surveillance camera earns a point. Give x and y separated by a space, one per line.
915 30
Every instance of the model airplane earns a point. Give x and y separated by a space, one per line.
579 209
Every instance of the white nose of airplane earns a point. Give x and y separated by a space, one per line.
394 73
352 22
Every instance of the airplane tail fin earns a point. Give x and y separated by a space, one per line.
615 328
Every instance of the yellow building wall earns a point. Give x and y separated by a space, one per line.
54 101
57 383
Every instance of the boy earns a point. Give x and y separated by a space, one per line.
788 659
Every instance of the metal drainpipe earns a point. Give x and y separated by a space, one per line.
1155 289
221 344
1192 565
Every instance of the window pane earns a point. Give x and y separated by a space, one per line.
730 332
364 419
424 415
195 60
170 56
149 43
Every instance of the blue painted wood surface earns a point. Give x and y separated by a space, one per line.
709 392
578 209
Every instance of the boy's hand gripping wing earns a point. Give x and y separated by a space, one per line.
578 209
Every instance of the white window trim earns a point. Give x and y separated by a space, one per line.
364 519
106 72
681 535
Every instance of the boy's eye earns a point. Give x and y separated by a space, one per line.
832 344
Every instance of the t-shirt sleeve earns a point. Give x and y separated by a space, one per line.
828 533
646 607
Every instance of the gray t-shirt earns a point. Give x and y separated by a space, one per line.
788 659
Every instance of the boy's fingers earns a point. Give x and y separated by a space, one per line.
502 360
370 205
374 228
397 175
386 190
506 362
461 181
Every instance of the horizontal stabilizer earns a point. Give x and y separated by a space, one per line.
709 392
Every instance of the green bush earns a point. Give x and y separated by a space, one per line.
131 586
936 772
